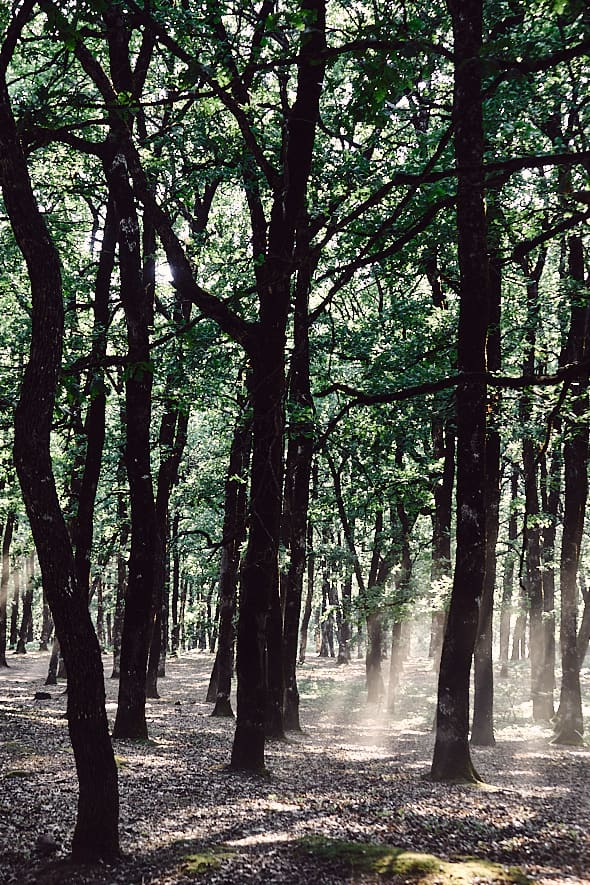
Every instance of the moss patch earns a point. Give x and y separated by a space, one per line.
203 862
388 861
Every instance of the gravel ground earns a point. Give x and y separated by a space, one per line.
354 774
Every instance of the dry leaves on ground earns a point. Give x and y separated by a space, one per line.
355 775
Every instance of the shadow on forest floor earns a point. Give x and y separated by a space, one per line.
344 796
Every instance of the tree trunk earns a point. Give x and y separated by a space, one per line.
260 576
121 591
451 759
508 577
234 531
175 632
297 480
6 542
542 707
550 492
46 625
27 605
14 608
569 728
443 447
584 631
53 664
482 728
172 441
137 300
307 609
96 832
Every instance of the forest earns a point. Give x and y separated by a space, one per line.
294 379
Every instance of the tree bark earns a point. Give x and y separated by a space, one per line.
6 542
533 585
569 728
96 832
443 448
482 728
311 557
508 576
27 605
137 299
121 589
451 759
260 578
234 532
297 478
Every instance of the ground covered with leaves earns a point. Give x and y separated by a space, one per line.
346 800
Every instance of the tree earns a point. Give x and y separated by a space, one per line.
451 759
575 456
96 832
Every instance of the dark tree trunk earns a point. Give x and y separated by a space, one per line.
274 726
137 300
234 532
345 633
307 609
181 621
569 727
508 576
172 440
550 491
46 625
260 577
452 760
584 631
175 632
482 728
6 542
297 480
259 584
399 641
96 832
373 658
121 590
533 585
395 665
27 605
443 447
14 608
99 610
53 664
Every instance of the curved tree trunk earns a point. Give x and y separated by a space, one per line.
96 832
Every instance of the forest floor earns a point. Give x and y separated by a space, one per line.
346 800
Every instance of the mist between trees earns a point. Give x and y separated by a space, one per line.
294 345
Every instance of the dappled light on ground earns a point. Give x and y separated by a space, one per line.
353 775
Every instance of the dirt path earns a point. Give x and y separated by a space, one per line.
352 775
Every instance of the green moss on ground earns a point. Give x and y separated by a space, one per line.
205 861
388 861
